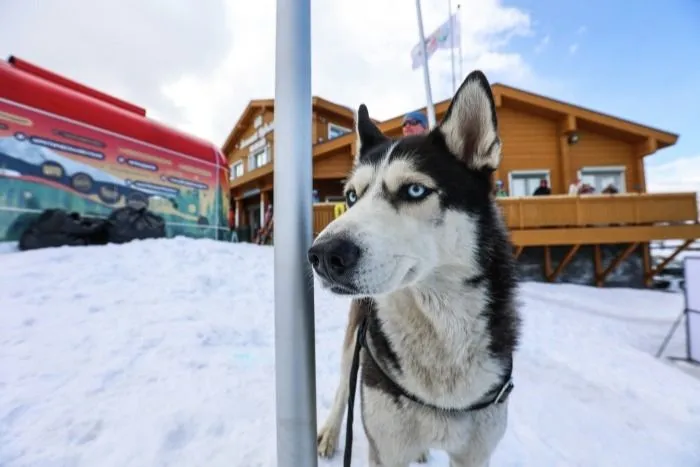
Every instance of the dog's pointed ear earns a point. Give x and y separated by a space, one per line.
470 126
368 135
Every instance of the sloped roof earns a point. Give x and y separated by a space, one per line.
523 98
256 105
512 97
252 109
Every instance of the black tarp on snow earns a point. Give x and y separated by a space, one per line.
56 227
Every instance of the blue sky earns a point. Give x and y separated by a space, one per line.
636 60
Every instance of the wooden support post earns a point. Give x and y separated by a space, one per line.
664 263
646 259
547 262
566 126
518 250
600 278
264 202
649 146
497 99
563 263
241 214
597 264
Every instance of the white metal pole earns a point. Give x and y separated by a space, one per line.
426 73
461 57
452 47
295 360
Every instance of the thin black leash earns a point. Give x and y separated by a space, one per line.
359 342
501 396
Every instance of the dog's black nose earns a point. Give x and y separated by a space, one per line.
334 259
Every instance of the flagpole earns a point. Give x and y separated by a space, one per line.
452 46
426 72
461 59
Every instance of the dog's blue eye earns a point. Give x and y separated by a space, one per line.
351 197
414 191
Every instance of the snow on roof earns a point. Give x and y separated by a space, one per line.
107 364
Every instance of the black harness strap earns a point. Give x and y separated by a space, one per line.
360 342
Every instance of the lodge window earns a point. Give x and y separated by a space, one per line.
335 131
525 182
600 177
258 159
236 170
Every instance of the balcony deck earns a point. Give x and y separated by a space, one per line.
587 219
594 221
601 219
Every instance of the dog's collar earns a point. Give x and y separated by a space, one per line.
501 395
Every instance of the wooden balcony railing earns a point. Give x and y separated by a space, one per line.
563 211
593 210
324 213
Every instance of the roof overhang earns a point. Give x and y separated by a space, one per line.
254 107
573 117
647 139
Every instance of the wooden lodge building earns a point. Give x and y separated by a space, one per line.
587 239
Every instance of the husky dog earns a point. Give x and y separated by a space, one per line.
424 253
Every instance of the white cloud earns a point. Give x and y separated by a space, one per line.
573 48
682 174
196 68
128 48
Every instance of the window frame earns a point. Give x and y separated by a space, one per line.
332 126
602 169
233 175
539 173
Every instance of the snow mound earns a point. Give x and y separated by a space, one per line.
160 353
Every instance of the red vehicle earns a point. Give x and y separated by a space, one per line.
65 145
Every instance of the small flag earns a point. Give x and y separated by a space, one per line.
447 35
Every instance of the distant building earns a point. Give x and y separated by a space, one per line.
592 239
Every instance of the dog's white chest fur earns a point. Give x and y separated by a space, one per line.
439 337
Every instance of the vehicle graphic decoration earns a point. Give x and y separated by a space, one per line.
47 161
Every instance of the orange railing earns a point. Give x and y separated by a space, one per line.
579 211
564 211
324 213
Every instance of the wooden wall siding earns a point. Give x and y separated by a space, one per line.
320 125
335 165
529 143
329 187
594 149
532 140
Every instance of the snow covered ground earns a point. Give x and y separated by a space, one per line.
160 353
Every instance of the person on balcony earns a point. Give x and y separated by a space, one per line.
499 190
586 189
543 189
414 123
575 188
610 190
